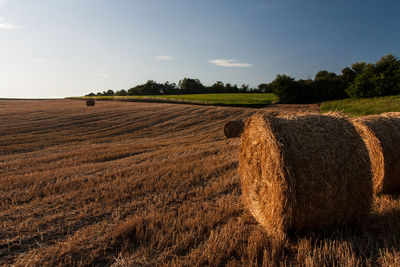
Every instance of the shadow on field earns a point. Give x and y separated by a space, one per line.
378 237
237 237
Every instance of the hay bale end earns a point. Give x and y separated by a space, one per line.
90 102
233 129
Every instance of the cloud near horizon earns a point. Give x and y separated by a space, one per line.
230 63
4 25
165 57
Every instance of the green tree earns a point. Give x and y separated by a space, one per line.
265 88
121 93
169 88
380 79
328 86
358 67
387 78
191 86
244 88
229 88
218 87
348 75
363 84
107 93
285 88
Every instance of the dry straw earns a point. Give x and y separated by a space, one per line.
381 134
233 129
304 172
90 102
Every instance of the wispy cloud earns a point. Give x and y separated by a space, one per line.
4 25
104 75
165 57
230 63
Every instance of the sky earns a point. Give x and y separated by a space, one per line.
60 48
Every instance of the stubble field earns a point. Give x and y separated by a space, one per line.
141 184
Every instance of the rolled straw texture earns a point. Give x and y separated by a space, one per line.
306 172
383 143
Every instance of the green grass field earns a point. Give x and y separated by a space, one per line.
352 107
366 106
242 99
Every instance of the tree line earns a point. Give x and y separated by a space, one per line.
185 86
358 81
361 80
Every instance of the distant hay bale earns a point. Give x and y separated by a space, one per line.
233 129
381 134
90 102
305 172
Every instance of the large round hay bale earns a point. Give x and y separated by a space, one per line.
90 102
306 172
233 129
381 134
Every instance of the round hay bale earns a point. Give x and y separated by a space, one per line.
381 134
90 102
306 172
233 129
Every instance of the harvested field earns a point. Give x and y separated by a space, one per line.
139 184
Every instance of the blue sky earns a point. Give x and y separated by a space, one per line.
59 48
